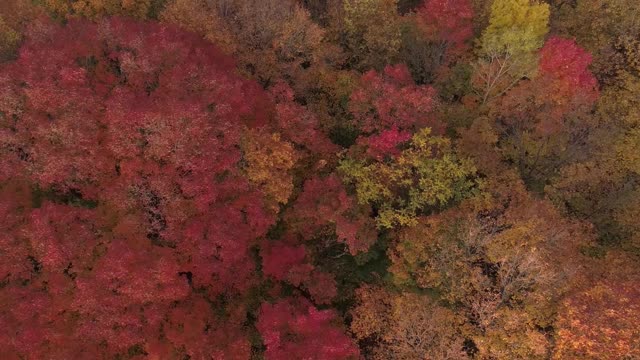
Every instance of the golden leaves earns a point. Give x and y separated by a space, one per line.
94 9
269 161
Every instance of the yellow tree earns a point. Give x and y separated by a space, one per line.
516 30
428 174
515 27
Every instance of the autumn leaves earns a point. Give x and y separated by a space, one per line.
316 179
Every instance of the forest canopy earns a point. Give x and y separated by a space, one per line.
319 179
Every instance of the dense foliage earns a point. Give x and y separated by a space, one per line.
319 179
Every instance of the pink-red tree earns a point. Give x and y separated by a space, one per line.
563 85
294 329
289 263
131 132
567 65
298 124
447 21
324 206
391 100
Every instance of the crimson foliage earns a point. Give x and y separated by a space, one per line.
139 241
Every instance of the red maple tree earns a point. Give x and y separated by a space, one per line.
294 329
391 99
449 21
131 132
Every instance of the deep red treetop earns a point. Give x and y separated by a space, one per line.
563 87
392 100
294 329
15 203
194 326
385 144
141 124
298 124
448 21
285 262
567 65
324 203
289 263
145 119
114 96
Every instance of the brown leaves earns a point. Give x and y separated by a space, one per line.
407 326
503 260
601 322
201 18
98 8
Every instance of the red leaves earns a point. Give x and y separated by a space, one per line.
57 122
386 143
297 124
294 329
283 262
145 120
324 202
192 325
564 86
145 188
15 201
450 21
322 287
48 233
321 200
567 65
600 322
116 300
154 93
290 264
391 100
141 274
215 248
